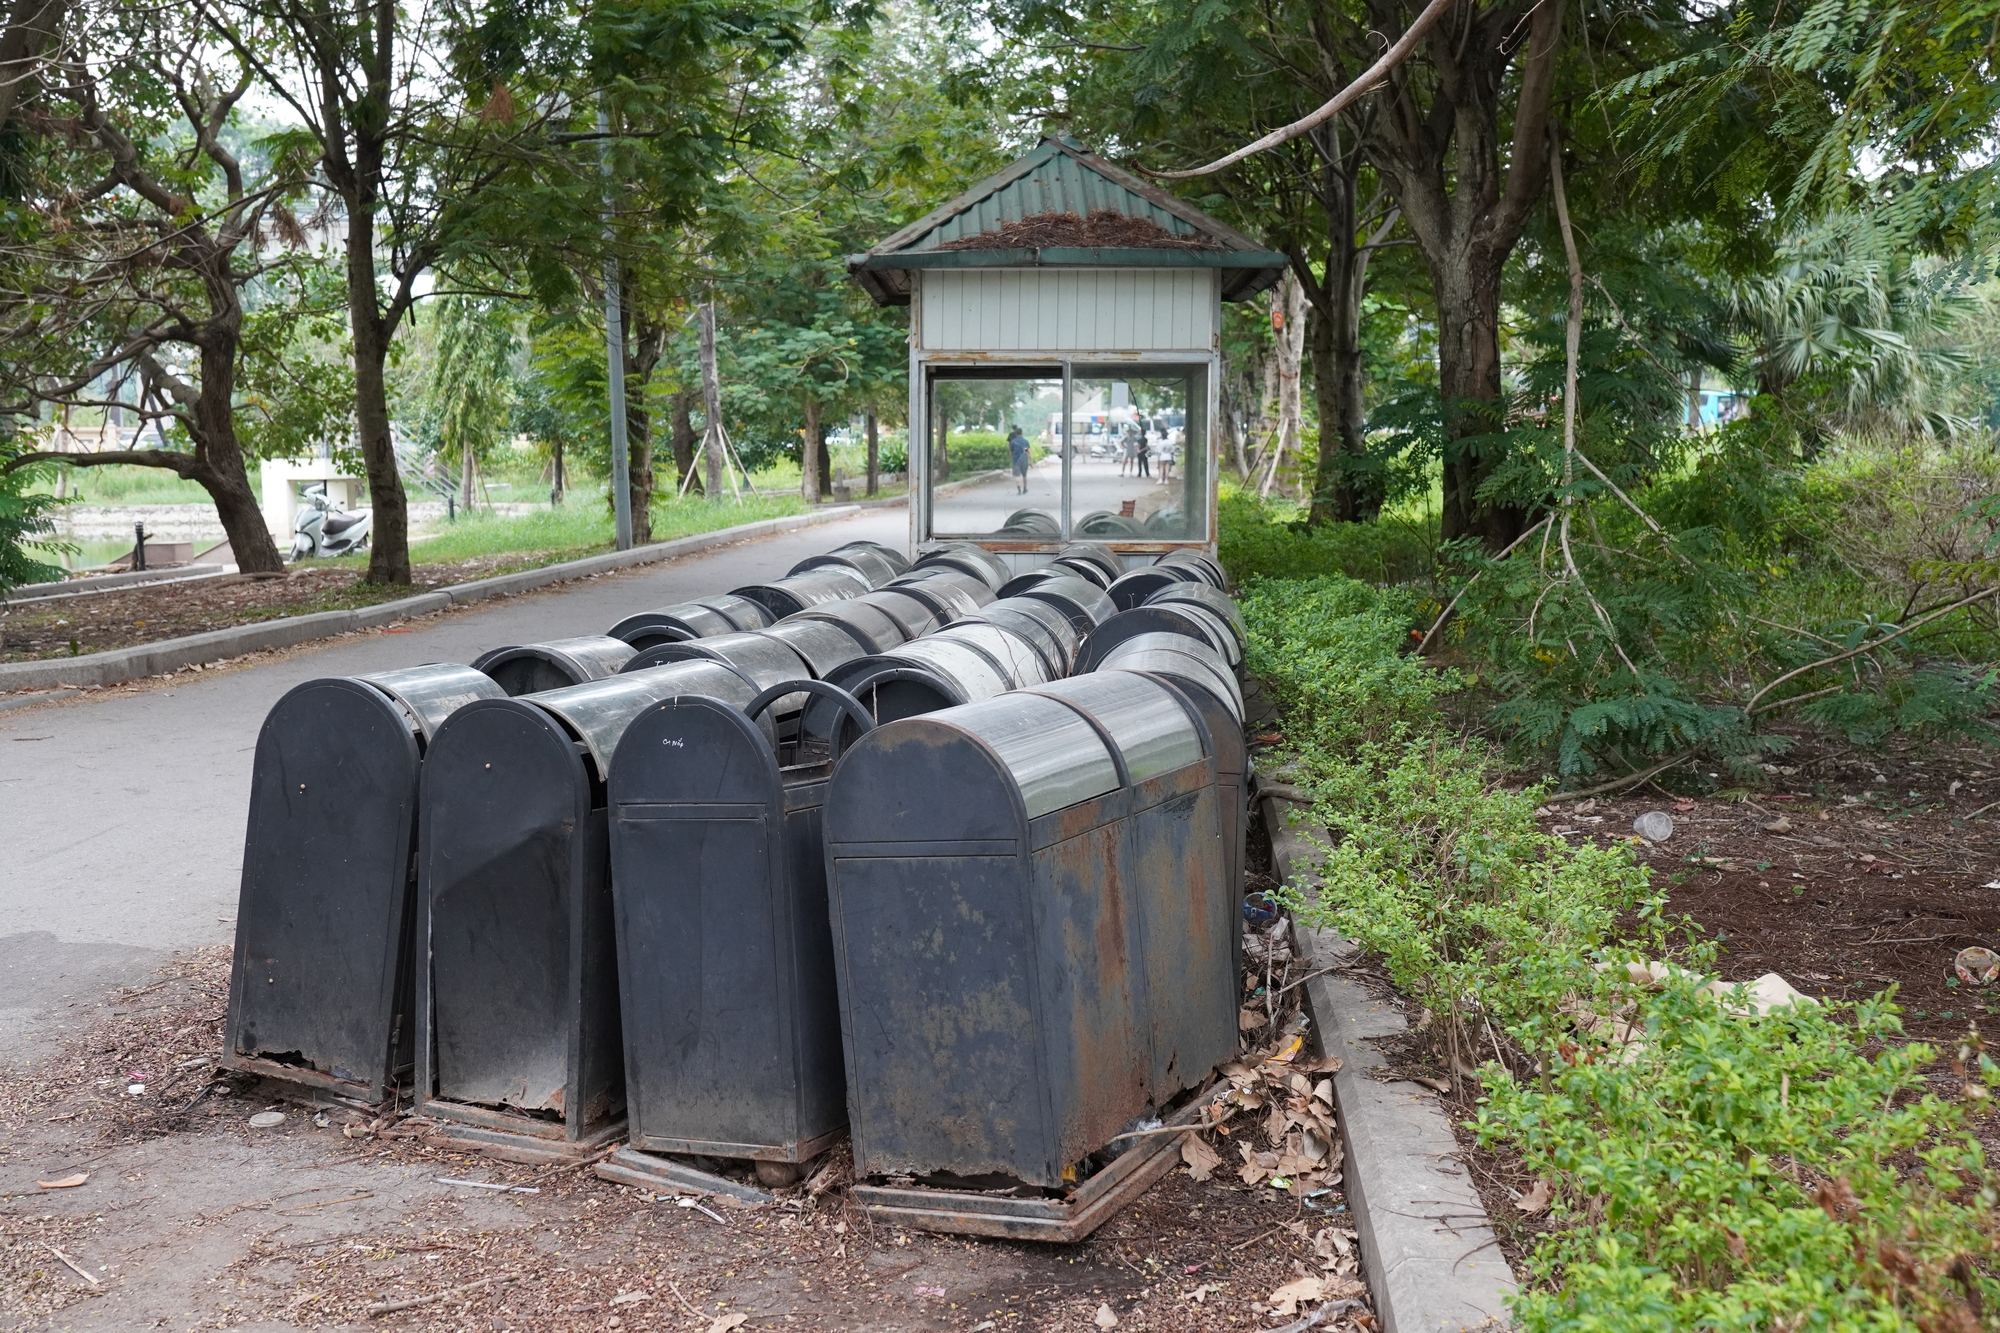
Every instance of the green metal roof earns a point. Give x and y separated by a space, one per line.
1061 176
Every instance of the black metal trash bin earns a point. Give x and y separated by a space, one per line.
1041 624
1132 589
795 592
1219 604
705 616
1031 931
868 623
518 1043
1086 604
732 1032
530 668
321 996
967 557
1192 622
870 564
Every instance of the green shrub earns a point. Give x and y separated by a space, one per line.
1268 540
24 518
1712 1169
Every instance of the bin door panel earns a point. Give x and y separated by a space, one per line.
939 1015
506 806
321 920
1181 875
708 1046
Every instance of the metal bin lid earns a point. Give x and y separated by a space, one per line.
1042 625
589 657
765 660
795 592
1134 588
1200 561
970 557
1182 658
866 622
916 616
430 694
1015 586
683 620
1149 725
1014 654
1185 619
950 594
1095 554
742 612
889 553
822 645
599 712
868 564
1214 599
1055 757
1086 604
1031 523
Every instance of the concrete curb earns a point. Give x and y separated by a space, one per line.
1427 1245
32 592
152 659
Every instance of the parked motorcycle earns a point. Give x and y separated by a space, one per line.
320 529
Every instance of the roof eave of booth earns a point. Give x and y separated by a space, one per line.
884 271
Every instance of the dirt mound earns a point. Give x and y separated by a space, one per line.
1105 227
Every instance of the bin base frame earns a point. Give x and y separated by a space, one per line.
535 1143
327 1094
1058 1221
633 1166
797 1153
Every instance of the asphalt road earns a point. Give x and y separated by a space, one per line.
121 813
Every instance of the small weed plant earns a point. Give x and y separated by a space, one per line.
1712 1167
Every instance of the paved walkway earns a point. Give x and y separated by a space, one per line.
121 816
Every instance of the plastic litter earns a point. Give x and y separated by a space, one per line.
1654 826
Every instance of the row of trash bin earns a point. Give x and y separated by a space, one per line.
946 854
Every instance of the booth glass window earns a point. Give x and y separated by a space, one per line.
1140 461
1138 465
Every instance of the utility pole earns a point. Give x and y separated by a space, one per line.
614 355
711 404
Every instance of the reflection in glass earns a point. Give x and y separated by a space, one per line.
1140 469
1003 436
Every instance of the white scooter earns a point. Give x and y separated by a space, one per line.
320 529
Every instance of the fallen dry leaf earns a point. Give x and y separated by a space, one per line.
1249 1020
1200 1294
1288 1298
66 1183
1104 1317
1537 1198
631 1297
1200 1158
726 1322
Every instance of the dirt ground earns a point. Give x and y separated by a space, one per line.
189 1218
99 621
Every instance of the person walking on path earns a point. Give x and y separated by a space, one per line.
1017 447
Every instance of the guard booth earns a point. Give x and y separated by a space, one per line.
1069 299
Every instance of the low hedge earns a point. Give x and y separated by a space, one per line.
1712 1168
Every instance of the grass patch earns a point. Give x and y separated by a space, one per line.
583 527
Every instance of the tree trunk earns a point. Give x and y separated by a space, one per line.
684 443
810 453
941 450
556 468
874 458
1466 212
643 345
825 456
389 531
1290 359
711 400
219 456
465 478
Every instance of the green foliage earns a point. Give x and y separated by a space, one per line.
1712 1169
1271 540
24 519
583 527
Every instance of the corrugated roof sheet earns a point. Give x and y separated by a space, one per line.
1059 185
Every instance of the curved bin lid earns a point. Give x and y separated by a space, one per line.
1086 604
1020 583
1104 523
868 564
1186 619
742 612
913 614
1032 523
598 712
1083 569
1200 561
765 660
973 559
1056 758
1182 658
1095 554
890 553
430 694
1041 624
1014 654
1150 727
1134 588
822 645
794 593
919 677
951 594
529 668
1219 603
871 627
670 624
